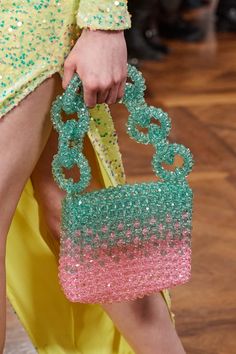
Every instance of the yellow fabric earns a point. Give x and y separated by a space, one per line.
103 14
54 325
37 36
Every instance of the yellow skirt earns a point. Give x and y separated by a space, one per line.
54 324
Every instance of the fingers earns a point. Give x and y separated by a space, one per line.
95 92
116 93
121 90
90 95
98 90
112 96
69 69
102 96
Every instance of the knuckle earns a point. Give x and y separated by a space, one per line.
116 80
124 77
67 64
125 72
91 85
105 85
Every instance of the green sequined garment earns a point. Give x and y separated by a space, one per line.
37 35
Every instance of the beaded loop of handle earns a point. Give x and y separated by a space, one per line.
71 133
168 156
134 91
141 116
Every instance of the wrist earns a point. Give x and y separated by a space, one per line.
88 30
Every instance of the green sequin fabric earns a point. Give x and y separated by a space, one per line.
109 14
123 242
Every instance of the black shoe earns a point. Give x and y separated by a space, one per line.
181 29
226 16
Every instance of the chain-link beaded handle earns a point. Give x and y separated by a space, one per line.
72 132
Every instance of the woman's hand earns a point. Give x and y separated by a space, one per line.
100 59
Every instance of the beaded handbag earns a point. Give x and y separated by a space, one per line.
121 243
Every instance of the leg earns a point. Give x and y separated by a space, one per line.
24 132
145 323
48 194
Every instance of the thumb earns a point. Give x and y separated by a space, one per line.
69 69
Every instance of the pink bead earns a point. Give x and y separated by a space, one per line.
87 248
120 243
136 224
120 226
152 221
117 276
128 233
169 235
177 225
96 238
168 218
153 238
136 240
186 233
144 231
112 235
104 246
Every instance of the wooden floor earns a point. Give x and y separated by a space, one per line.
197 87
196 84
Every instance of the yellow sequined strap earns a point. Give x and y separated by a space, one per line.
103 14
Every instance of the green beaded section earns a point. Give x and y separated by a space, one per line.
71 133
168 205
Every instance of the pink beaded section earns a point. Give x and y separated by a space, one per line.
109 272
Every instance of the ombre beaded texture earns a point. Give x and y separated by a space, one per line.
121 243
